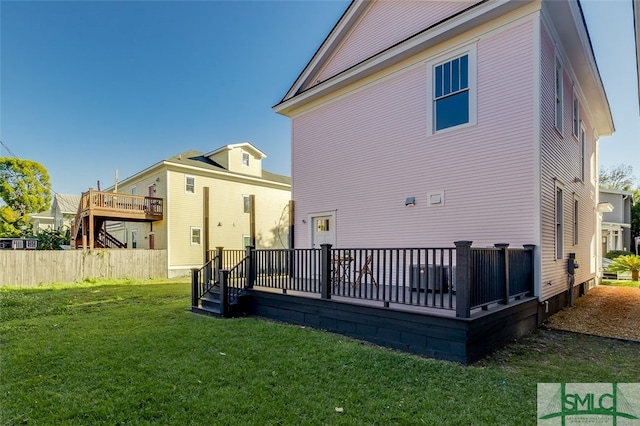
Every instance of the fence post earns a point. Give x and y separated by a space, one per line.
195 296
504 248
531 248
325 271
219 253
223 278
463 278
251 272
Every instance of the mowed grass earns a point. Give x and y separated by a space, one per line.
621 283
132 353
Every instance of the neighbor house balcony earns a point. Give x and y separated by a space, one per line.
126 207
96 208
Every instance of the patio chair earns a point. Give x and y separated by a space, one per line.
364 271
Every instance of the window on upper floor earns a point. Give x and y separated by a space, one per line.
245 159
190 184
558 86
576 115
451 93
134 190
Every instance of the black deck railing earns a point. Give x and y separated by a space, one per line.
459 278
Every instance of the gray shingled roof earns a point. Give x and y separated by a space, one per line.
67 203
197 159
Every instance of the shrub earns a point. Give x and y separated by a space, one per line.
616 253
627 263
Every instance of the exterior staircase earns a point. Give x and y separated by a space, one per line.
96 208
218 292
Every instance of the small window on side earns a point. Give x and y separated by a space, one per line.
190 184
195 236
245 159
246 201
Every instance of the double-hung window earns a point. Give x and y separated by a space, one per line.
190 184
559 223
576 225
196 236
452 90
583 148
576 115
451 93
558 85
246 203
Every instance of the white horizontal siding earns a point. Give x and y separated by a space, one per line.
363 154
560 159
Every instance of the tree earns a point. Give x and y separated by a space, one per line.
24 189
618 177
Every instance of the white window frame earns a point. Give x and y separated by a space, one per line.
246 201
583 151
559 88
191 235
576 220
472 52
245 155
186 184
134 190
246 237
575 113
559 220
134 238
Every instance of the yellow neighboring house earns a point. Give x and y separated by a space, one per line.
230 175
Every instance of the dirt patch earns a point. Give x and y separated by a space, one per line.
604 311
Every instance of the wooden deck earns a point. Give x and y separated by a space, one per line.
96 208
460 305
129 208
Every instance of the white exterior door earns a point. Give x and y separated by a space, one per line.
323 230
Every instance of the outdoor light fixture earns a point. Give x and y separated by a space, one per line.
410 201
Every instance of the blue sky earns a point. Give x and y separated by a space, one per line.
89 87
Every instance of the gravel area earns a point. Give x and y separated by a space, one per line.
604 311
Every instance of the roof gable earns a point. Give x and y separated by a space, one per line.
244 145
66 203
368 28
384 24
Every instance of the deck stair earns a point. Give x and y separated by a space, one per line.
213 292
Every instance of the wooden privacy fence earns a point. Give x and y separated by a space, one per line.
22 268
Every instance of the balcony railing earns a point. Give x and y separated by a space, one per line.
124 206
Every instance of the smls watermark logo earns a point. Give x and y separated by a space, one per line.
563 404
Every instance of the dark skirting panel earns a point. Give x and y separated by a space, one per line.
431 335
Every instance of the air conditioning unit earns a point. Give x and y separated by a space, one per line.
430 278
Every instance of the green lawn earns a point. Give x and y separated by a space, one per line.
621 283
133 354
